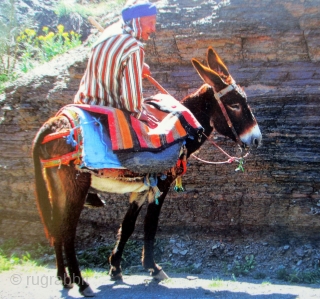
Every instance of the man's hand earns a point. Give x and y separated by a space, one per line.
149 119
145 71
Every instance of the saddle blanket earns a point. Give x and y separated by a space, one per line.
107 133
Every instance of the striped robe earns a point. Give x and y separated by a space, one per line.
114 72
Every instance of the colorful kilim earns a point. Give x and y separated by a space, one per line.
99 134
130 134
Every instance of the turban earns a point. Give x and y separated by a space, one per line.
138 10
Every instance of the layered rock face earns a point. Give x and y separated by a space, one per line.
272 49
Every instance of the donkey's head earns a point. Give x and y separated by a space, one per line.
232 115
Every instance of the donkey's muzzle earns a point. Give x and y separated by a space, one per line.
253 137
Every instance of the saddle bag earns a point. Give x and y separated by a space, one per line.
151 162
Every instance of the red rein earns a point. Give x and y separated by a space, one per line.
230 160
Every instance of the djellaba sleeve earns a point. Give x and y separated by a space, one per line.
131 82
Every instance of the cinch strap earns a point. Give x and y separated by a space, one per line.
61 160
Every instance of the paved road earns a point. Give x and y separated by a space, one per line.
43 285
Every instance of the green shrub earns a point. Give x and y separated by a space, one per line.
96 8
64 8
35 49
8 49
52 44
243 268
312 276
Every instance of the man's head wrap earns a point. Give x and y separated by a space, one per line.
138 10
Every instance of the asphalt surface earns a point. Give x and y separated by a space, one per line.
44 285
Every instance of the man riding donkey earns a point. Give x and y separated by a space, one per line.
116 68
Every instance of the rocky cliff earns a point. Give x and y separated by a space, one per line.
272 48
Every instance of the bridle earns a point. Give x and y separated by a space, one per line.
218 96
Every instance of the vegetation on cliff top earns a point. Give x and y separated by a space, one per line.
22 48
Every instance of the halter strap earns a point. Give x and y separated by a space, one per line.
224 91
219 95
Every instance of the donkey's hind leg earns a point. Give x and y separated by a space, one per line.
125 231
58 201
74 271
61 270
76 186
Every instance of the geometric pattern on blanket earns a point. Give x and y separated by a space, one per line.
128 134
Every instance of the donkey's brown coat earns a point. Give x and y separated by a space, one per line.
61 191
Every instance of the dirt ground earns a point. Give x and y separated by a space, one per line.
197 269
294 261
42 284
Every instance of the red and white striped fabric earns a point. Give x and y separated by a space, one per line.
114 72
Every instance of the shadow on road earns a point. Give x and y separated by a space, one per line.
179 288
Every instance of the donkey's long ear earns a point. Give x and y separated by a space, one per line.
216 63
208 75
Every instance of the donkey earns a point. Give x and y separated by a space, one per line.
61 191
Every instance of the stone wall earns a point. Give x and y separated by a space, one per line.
272 49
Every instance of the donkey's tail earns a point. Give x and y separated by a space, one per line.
42 193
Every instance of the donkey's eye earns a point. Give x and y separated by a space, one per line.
235 107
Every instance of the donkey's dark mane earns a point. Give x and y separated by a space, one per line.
202 107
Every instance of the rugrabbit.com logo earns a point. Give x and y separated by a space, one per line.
39 280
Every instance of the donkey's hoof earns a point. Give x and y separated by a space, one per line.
87 292
115 274
160 276
68 285
116 277
66 282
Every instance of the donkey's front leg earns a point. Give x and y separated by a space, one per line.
150 229
125 231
